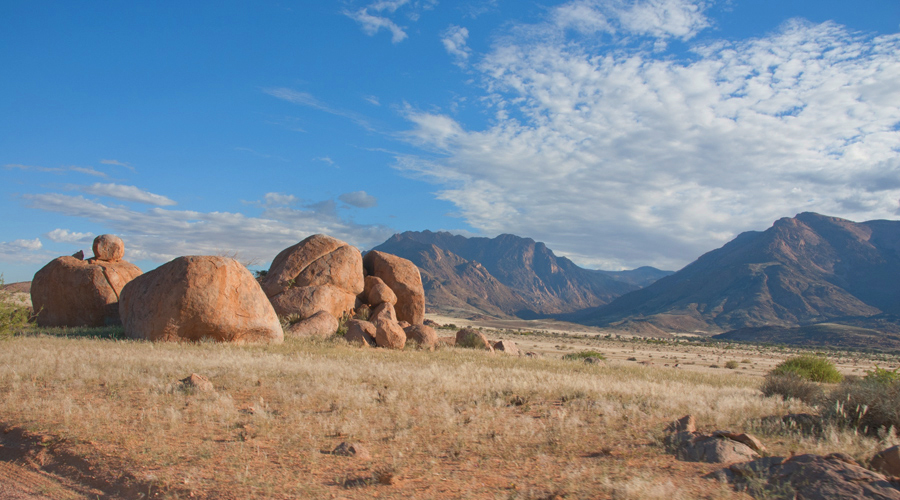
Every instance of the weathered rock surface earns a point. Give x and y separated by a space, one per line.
108 247
198 297
384 312
810 477
320 324
423 335
378 293
887 461
696 447
72 292
388 334
320 273
506 346
473 339
360 332
403 278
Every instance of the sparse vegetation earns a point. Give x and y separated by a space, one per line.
13 316
583 354
813 368
870 404
790 385
732 364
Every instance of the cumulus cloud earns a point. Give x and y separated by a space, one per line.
680 19
66 236
279 199
454 40
127 193
359 199
22 251
160 234
626 158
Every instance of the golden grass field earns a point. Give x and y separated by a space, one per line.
453 423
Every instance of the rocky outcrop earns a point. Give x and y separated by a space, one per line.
403 278
320 273
377 292
72 292
810 477
388 334
719 447
196 298
887 461
506 346
360 332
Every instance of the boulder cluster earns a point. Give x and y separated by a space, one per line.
314 285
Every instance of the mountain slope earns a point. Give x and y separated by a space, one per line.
802 270
503 276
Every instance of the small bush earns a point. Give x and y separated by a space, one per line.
13 317
790 385
583 354
883 375
731 365
870 405
811 368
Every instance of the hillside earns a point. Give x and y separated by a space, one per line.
507 275
802 270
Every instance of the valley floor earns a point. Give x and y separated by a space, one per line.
112 416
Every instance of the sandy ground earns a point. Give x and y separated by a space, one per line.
20 483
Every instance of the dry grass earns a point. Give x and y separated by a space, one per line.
455 423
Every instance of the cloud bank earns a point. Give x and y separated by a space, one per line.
619 156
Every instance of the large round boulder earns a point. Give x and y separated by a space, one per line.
320 273
403 278
72 292
199 297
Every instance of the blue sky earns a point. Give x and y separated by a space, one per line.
620 132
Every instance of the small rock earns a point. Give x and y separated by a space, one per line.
79 255
507 346
383 312
472 338
197 382
748 439
357 450
377 293
423 335
389 335
109 248
686 423
591 360
360 332
887 461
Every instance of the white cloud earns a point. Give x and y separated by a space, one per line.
66 236
454 40
372 100
359 199
627 158
20 251
662 19
372 24
127 193
160 234
56 170
88 171
118 164
279 199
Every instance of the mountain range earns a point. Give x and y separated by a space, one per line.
803 270
508 276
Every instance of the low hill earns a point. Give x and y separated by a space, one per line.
802 270
883 335
507 275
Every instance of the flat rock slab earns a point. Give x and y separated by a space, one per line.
810 477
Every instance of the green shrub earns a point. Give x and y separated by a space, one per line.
883 375
869 405
732 365
13 317
790 385
812 368
583 354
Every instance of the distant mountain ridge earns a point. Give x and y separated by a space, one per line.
507 275
802 270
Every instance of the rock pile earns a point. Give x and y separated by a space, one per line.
719 447
70 291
